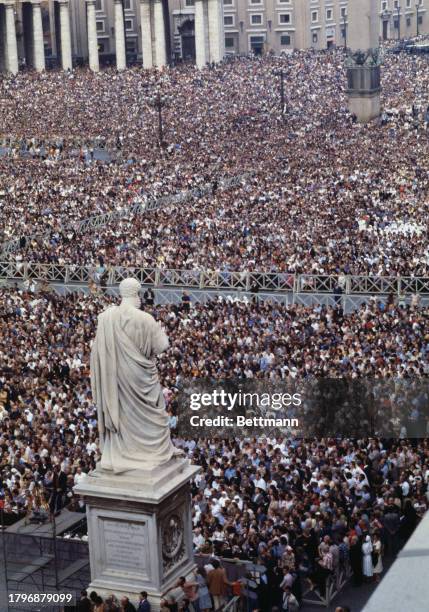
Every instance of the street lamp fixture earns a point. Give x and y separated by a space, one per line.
281 74
159 102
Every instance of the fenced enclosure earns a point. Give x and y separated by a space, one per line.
42 564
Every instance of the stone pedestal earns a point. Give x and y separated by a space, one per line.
363 67
140 529
366 108
364 92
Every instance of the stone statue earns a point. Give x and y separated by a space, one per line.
133 423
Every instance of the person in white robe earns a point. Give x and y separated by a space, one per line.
367 567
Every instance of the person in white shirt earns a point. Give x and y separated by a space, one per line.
259 482
198 539
405 486
79 476
239 502
223 499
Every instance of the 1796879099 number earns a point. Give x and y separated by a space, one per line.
40 599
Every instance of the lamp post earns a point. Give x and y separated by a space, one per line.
282 91
158 102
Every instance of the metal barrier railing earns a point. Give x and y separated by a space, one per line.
138 208
333 586
233 605
268 282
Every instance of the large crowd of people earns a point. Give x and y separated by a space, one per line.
324 195
327 195
292 505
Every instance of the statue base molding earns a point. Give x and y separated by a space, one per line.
365 107
139 529
363 92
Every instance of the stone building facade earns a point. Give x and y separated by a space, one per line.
283 25
41 33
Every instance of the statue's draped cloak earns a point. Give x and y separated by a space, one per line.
133 423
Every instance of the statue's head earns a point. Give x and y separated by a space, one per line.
129 289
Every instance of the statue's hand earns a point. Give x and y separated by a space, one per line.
178 452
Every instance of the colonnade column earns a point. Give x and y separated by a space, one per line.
2 39
121 57
146 33
200 35
216 30
94 61
11 44
160 46
66 50
38 44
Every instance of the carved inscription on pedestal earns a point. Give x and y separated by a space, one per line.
125 545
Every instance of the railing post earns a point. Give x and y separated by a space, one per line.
296 284
157 277
201 283
66 274
111 277
348 284
247 281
